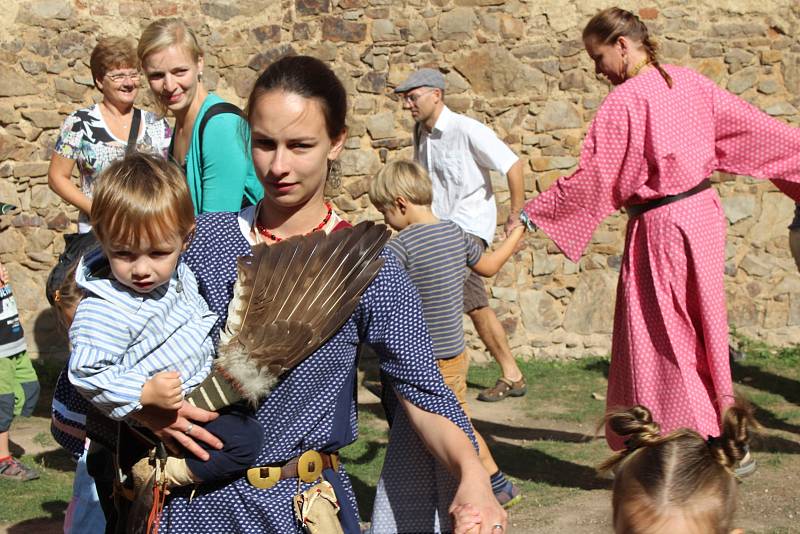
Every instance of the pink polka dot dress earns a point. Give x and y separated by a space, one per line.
670 342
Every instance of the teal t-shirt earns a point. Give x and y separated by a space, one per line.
225 179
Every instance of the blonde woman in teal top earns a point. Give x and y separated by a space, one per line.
218 167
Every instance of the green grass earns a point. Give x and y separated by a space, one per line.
550 464
46 497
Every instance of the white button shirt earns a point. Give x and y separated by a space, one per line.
458 154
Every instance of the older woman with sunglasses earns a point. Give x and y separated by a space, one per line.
95 136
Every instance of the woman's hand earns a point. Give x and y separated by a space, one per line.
177 429
475 509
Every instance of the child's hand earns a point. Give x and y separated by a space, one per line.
163 391
3 275
465 518
516 236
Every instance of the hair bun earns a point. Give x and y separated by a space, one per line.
636 422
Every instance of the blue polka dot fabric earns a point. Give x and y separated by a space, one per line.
314 405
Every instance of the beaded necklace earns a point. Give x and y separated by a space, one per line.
642 64
272 237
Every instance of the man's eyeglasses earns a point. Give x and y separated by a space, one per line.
412 98
121 76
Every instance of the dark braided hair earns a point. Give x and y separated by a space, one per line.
612 23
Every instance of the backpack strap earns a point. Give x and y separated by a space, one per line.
133 134
213 110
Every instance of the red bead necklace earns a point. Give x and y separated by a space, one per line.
272 237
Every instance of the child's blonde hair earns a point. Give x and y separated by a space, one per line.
401 178
680 477
141 196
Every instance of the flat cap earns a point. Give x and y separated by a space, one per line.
422 78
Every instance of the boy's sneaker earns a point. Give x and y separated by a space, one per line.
508 495
15 470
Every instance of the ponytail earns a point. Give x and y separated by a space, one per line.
610 24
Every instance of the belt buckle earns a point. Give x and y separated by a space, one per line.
264 477
309 466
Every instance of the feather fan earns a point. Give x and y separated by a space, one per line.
289 299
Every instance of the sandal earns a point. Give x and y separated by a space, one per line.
504 388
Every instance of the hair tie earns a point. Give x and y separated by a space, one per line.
632 444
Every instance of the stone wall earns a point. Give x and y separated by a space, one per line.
516 65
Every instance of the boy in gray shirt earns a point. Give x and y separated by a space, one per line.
435 254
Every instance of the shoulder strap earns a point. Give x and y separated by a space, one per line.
134 132
213 110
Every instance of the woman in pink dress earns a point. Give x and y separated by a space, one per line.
651 148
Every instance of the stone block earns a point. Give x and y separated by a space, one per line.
768 87
457 23
770 57
793 317
511 28
738 207
50 9
742 80
261 61
544 263
269 33
781 109
705 49
312 7
359 162
558 115
42 197
43 118
591 308
372 82
540 312
776 314
73 91
648 13
31 169
755 266
12 242
384 30
12 83
671 49
38 241
8 146
506 294
339 30
220 10
381 125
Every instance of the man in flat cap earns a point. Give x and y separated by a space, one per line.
458 153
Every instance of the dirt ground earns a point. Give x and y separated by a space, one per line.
769 500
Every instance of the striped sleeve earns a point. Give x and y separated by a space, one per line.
398 248
99 339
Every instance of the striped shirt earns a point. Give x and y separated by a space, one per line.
121 338
435 256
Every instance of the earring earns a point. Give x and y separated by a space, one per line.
333 180
200 76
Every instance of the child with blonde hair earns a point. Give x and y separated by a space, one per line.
679 482
437 255
140 337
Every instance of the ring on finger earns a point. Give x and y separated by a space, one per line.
499 527
191 426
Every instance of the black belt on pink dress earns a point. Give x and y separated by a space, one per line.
637 209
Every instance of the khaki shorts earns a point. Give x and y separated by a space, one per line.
474 287
454 371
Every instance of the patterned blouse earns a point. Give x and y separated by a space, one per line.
314 405
86 138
